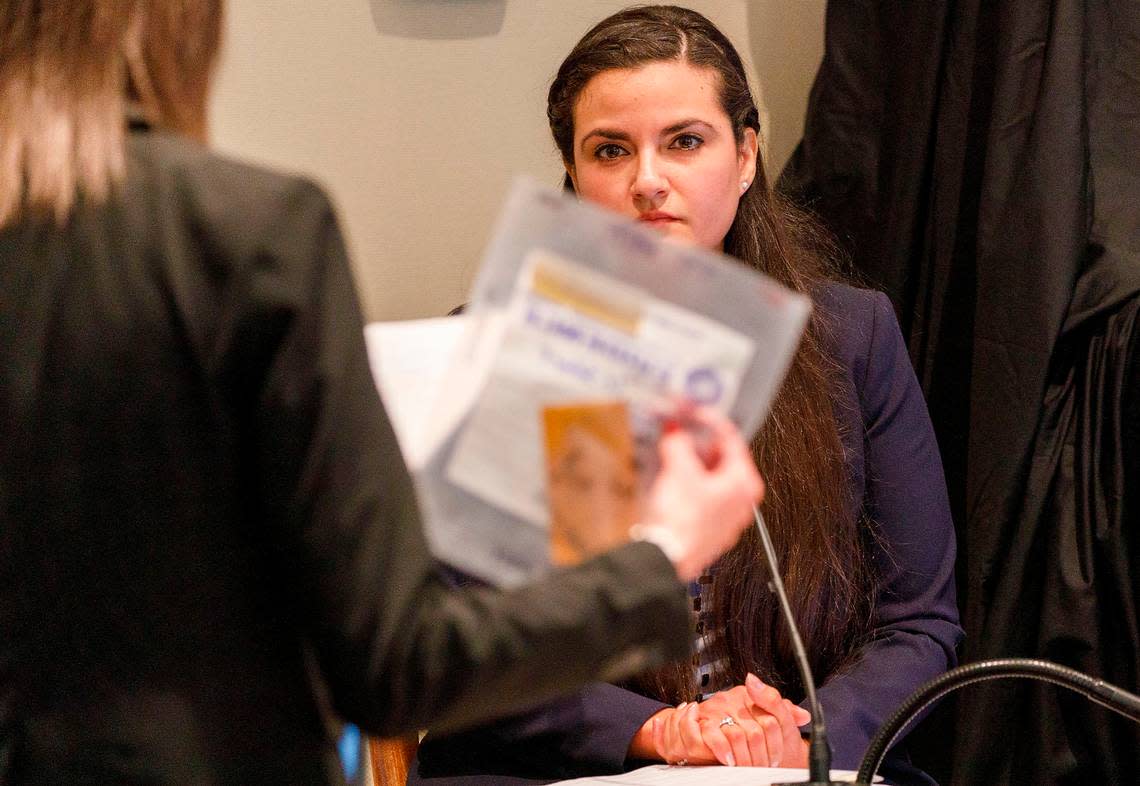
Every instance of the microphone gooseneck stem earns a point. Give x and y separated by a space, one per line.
1096 690
819 753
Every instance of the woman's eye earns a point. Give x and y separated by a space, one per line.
688 142
608 151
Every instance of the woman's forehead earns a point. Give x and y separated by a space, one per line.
661 87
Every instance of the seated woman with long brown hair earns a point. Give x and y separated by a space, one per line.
654 119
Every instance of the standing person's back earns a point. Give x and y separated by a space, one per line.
136 500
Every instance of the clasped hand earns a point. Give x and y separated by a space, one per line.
748 725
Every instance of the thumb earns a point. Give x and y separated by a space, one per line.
800 716
677 450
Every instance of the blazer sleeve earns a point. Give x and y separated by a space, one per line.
584 734
913 547
397 648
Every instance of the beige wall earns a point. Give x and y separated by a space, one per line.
785 39
416 114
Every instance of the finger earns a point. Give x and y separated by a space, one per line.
732 703
763 696
746 722
677 452
773 740
754 738
695 749
659 738
768 698
738 469
782 712
774 715
674 744
717 743
684 735
670 750
800 716
793 755
718 426
689 732
719 436
738 740
708 430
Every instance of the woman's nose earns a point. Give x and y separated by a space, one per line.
649 187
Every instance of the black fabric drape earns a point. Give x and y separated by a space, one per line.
980 160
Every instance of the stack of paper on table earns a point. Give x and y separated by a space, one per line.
664 775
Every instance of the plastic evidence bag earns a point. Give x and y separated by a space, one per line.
574 304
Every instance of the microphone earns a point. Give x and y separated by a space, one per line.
819 752
1094 689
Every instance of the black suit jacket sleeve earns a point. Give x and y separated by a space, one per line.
398 648
584 734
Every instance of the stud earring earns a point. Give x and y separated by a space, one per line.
743 185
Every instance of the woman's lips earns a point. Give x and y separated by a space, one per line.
657 218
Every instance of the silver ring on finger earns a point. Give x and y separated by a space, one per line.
681 763
728 720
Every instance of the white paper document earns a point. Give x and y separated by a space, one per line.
664 775
409 362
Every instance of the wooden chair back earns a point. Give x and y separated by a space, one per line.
390 759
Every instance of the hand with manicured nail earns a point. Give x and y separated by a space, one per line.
789 717
764 730
676 736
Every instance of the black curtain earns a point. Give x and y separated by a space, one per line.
980 161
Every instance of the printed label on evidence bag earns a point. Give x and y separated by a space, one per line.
576 335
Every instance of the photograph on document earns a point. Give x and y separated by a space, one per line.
592 479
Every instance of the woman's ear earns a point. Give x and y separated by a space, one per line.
748 156
570 173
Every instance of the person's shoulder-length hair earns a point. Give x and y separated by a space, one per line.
70 70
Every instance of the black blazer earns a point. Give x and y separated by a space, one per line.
207 534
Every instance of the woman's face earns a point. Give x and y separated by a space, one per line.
653 143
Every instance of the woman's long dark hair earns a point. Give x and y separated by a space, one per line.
816 527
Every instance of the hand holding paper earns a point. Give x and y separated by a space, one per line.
696 511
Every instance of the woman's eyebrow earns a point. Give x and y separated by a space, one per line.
607 133
688 123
